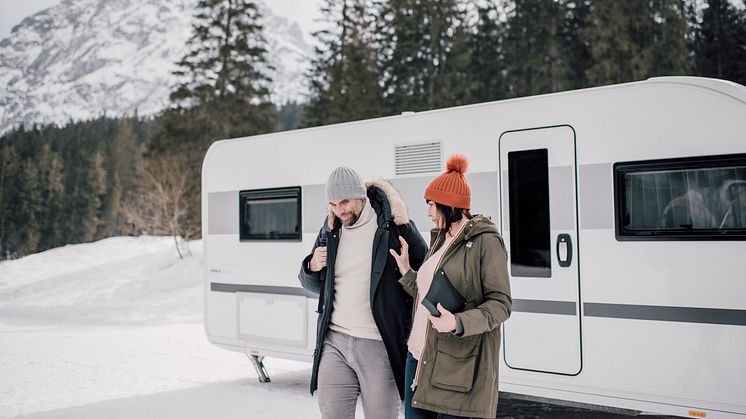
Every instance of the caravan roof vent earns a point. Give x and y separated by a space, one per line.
419 158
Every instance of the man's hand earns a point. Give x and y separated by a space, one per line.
445 323
402 260
318 261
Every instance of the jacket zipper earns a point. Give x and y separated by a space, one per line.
429 324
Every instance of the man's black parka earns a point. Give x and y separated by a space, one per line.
390 304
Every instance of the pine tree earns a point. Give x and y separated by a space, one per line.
537 58
616 33
89 195
424 54
29 216
52 191
224 91
324 61
449 29
123 158
635 40
487 61
357 88
343 79
577 51
8 198
668 49
289 116
719 42
224 73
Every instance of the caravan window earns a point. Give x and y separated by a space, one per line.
685 199
528 195
270 214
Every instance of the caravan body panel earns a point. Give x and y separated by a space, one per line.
651 325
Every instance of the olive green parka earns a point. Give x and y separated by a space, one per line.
458 374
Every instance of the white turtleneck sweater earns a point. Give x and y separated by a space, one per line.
352 268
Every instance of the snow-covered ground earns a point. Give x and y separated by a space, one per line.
113 329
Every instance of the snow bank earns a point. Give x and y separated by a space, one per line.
114 329
115 280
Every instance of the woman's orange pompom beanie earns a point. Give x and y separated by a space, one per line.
451 188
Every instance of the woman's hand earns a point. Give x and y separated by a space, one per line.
402 260
445 323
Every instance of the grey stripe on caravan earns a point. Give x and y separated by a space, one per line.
636 312
596 189
597 210
222 208
545 307
596 197
261 289
314 207
666 313
561 183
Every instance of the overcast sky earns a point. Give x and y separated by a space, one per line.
12 12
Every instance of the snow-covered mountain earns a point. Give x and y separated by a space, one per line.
84 58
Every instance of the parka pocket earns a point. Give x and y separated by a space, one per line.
455 362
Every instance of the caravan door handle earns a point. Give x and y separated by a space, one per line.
564 250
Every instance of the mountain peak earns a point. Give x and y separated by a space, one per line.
84 58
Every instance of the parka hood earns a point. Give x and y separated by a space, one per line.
381 191
479 224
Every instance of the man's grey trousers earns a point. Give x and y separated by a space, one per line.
352 367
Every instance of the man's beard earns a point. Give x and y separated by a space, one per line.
351 222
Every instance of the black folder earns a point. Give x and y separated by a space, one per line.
442 291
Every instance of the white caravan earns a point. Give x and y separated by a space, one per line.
623 209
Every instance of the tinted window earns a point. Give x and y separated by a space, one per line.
696 198
270 214
528 190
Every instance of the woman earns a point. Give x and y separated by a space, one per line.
453 359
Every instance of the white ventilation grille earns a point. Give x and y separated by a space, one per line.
419 158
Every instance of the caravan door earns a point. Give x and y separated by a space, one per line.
538 219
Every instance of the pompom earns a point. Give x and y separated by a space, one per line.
457 163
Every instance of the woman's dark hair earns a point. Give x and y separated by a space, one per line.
451 214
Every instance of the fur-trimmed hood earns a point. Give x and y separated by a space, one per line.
395 203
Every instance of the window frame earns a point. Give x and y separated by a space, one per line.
620 169
270 193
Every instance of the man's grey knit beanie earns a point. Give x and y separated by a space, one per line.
345 183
